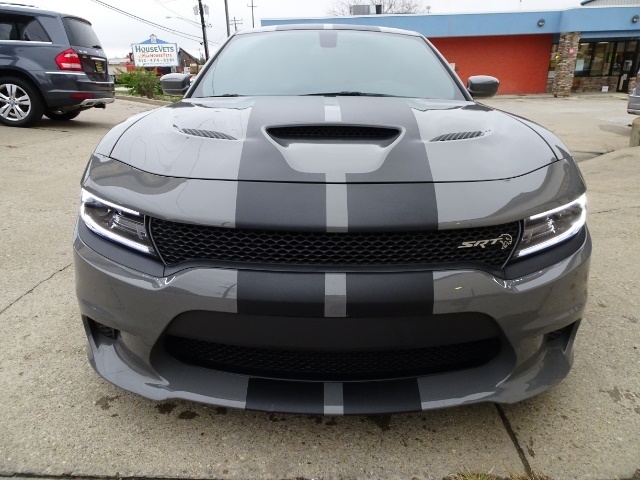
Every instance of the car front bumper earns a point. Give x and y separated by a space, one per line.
534 318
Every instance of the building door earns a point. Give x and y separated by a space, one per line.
628 66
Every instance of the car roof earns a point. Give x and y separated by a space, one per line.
327 26
32 9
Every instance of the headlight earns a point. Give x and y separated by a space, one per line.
549 228
122 225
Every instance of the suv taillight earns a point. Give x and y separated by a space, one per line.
69 60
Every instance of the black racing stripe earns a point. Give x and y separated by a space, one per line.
260 159
407 161
280 294
287 397
391 294
392 396
286 206
400 206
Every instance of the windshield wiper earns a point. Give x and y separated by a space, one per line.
98 47
227 95
347 93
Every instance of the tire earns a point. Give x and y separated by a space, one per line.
21 104
61 116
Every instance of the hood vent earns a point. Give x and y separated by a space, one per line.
448 137
333 132
206 133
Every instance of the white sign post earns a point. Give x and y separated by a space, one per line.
155 54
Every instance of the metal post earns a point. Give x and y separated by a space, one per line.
252 7
226 14
236 23
204 31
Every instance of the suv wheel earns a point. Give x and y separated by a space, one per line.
61 116
20 103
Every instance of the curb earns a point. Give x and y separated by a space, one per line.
148 101
573 96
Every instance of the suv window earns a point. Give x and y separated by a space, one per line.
80 33
21 27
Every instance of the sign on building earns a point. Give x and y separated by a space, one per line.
155 53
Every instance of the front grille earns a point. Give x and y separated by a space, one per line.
179 242
332 365
332 132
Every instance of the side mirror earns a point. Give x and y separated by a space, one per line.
483 86
175 84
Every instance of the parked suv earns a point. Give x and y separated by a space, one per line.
50 64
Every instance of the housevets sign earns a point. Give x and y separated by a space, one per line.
155 54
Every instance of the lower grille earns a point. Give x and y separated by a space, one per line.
104 330
332 365
179 242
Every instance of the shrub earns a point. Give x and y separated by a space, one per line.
141 82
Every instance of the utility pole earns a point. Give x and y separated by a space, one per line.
204 31
226 14
252 7
236 23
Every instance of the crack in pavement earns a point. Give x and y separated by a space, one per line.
32 289
26 144
72 476
514 439
615 209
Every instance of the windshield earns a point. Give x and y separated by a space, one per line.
307 62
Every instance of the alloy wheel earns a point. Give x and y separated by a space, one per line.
15 103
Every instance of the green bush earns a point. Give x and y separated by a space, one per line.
141 82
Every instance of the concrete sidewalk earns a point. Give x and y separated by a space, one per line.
59 419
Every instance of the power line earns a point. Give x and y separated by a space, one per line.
135 17
188 36
196 24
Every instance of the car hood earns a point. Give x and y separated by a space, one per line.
234 139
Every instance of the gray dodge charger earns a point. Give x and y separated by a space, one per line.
328 223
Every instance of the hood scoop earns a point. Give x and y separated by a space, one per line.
334 150
205 133
448 137
342 133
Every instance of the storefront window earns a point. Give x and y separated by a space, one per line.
583 59
601 61
618 58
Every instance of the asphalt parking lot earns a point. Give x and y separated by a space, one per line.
59 419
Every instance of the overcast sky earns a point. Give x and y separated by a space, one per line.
117 32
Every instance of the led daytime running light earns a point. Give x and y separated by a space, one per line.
125 227
554 237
